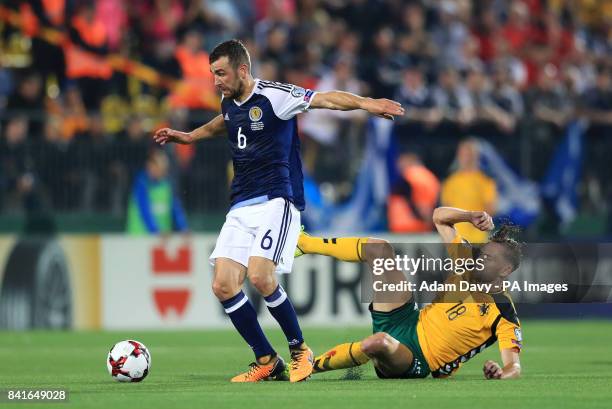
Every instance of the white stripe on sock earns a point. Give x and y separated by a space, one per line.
237 305
278 301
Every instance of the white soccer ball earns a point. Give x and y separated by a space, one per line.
129 361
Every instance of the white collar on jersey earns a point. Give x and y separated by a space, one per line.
250 95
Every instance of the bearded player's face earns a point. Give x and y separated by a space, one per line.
228 80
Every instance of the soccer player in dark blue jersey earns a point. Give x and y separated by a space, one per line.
261 230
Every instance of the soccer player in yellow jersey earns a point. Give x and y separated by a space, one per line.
412 343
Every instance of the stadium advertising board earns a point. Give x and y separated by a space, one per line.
123 282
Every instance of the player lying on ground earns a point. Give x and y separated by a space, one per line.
262 227
408 343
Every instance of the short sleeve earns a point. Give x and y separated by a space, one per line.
287 100
509 335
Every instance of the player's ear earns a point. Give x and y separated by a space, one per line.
243 71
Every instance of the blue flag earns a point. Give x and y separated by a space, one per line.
518 197
559 186
365 210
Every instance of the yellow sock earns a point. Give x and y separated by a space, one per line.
342 248
341 357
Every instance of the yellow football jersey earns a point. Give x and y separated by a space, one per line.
460 324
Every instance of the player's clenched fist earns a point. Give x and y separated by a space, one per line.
482 221
492 370
164 135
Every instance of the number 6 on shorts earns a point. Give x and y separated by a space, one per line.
266 241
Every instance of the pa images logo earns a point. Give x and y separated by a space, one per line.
255 114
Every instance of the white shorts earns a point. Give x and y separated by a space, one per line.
268 229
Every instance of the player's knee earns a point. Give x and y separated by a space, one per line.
223 289
376 344
379 249
264 283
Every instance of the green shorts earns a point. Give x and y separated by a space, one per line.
401 324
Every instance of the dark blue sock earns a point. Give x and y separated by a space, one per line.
244 318
282 310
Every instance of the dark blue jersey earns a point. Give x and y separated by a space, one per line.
263 136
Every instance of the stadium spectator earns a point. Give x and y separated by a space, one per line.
486 30
48 57
505 93
72 112
196 90
133 147
103 189
113 15
596 107
29 100
327 149
6 86
276 46
16 164
162 19
549 110
383 66
422 116
58 167
469 188
413 197
414 40
85 62
548 101
279 14
597 101
417 98
450 36
518 29
453 99
488 118
154 207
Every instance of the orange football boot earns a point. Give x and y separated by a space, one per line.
260 372
302 361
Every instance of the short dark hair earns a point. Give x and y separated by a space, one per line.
513 249
234 50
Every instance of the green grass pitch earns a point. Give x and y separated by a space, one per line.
566 364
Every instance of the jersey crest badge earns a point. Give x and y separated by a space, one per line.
255 114
518 334
484 309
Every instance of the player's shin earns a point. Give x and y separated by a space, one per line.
341 357
282 310
342 248
244 317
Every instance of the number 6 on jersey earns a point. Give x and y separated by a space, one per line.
241 139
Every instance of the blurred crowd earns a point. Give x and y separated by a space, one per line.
75 131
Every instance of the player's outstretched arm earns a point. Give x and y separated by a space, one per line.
212 128
345 101
445 218
511 369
